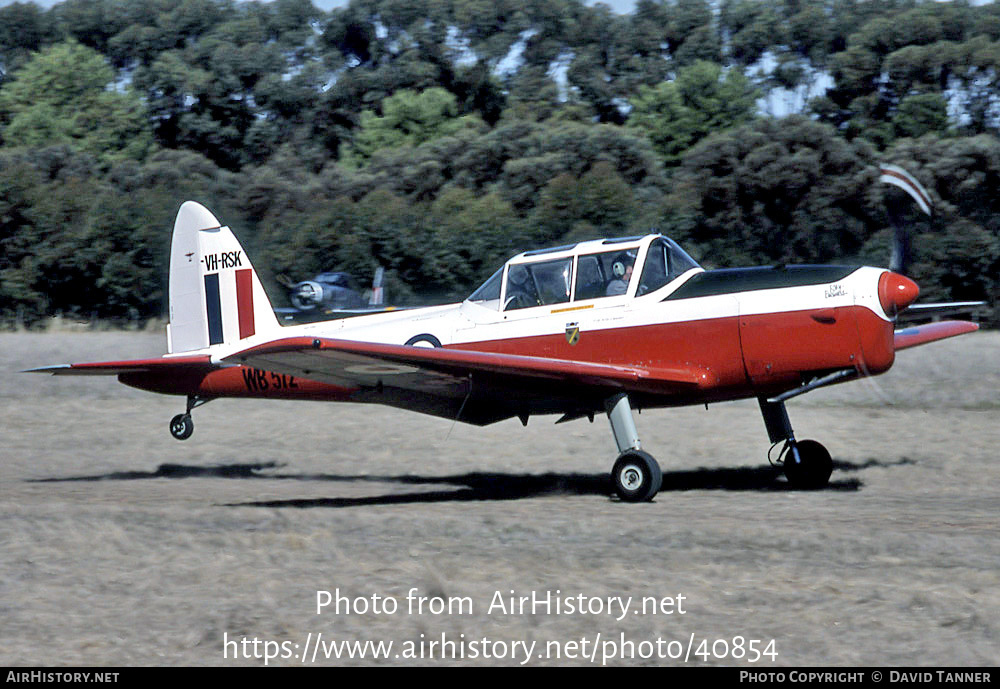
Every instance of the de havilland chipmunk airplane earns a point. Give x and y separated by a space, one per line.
598 326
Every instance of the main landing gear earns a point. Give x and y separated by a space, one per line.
806 463
182 425
636 475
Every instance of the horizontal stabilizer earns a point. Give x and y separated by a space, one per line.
922 334
114 368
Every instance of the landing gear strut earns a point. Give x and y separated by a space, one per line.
182 425
807 464
636 475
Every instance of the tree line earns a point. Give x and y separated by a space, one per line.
438 138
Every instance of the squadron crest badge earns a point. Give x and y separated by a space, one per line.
572 333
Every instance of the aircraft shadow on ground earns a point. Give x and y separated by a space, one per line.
490 486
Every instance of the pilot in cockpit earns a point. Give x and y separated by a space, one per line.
621 269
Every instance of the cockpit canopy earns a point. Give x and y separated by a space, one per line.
627 266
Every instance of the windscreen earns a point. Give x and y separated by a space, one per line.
488 294
538 284
664 262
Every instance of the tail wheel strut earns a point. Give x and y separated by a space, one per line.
182 425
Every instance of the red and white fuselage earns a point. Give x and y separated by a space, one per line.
749 333
600 326
553 331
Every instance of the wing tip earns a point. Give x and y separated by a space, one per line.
54 370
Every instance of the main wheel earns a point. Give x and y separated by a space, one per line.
808 465
637 476
182 426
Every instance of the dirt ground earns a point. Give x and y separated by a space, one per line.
123 546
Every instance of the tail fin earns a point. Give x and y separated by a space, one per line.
216 297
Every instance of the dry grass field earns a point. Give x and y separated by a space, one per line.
122 546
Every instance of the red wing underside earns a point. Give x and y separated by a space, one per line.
485 386
346 362
922 334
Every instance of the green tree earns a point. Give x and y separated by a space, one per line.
60 97
91 22
811 32
23 28
754 27
787 190
410 119
599 203
703 99
19 239
471 236
690 31
921 113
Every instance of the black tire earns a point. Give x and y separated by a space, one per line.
424 338
636 476
813 468
182 426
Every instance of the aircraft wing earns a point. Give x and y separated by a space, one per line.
922 334
366 363
433 380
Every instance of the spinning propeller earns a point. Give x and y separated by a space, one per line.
896 291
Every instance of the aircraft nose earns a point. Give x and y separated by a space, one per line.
896 292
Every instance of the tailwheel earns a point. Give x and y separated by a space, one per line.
808 465
182 426
637 476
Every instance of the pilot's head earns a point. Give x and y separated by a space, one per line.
621 267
